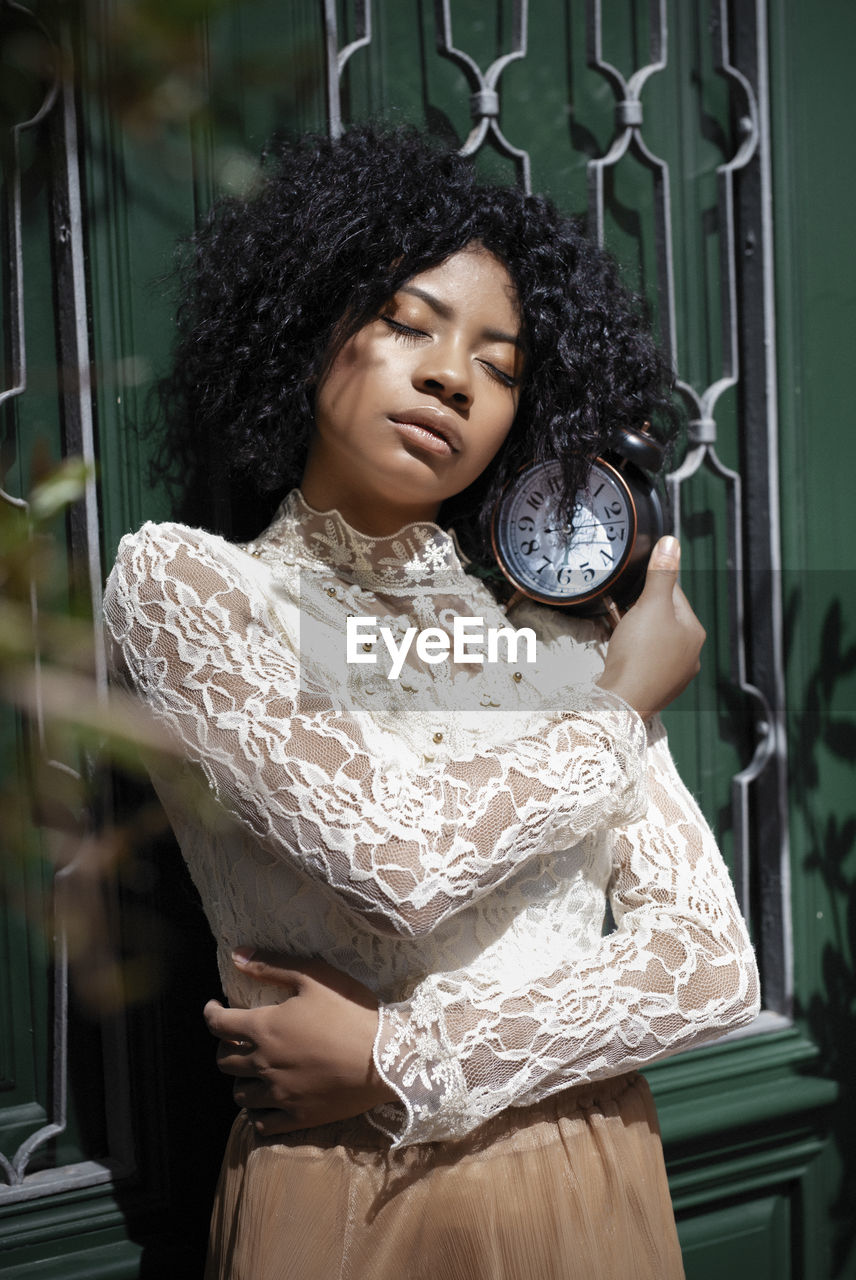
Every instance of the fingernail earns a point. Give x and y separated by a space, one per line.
669 549
243 955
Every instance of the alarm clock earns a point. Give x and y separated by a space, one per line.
595 563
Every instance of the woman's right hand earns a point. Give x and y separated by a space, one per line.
653 653
308 1060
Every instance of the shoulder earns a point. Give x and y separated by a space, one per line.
168 538
185 567
173 580
156 549
575 646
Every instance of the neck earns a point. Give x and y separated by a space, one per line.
377 520
418 555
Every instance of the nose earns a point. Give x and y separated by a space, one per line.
445 372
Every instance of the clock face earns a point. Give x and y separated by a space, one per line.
548 559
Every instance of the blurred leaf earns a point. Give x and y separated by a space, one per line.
63 486
121 724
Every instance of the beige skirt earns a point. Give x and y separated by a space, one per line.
573 1188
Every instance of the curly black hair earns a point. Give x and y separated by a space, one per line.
273 285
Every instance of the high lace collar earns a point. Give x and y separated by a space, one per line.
420 554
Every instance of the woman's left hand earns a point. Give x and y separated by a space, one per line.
307 1061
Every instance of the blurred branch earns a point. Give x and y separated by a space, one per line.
60 735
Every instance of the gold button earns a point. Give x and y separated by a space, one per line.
255 553
517 675
438 737
331 591
367 644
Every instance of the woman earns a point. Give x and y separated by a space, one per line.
399 339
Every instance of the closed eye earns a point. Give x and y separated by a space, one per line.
403 331
507 379
407 334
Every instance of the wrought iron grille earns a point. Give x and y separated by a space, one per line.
745 290
733 400
31 1171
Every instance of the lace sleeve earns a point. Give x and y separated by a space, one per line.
678 969
406 847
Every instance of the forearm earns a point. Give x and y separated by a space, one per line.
406 843
679 969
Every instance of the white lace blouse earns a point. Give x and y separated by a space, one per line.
449 836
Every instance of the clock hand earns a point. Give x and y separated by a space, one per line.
594 524
589 524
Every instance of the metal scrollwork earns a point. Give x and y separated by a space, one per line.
484 97
337 59
57 111
747 339
15 16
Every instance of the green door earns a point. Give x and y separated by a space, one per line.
703 141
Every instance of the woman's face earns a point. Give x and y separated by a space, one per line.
418 401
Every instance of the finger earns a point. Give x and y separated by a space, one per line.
294 973
269 966
233 1025
666 554
234 1061
662 573
211 1009
683 609
301 973
685 615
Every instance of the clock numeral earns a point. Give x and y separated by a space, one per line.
612 508
565 576
535 500
531 545
543 565
606 556
587 571
526 524
598 490
614 531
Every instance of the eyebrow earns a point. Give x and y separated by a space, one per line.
446 313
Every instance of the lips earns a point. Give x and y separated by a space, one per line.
430 422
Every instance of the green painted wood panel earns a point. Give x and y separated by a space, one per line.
31 434
746 1239
815 190
176 108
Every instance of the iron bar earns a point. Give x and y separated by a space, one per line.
337 59
484 91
